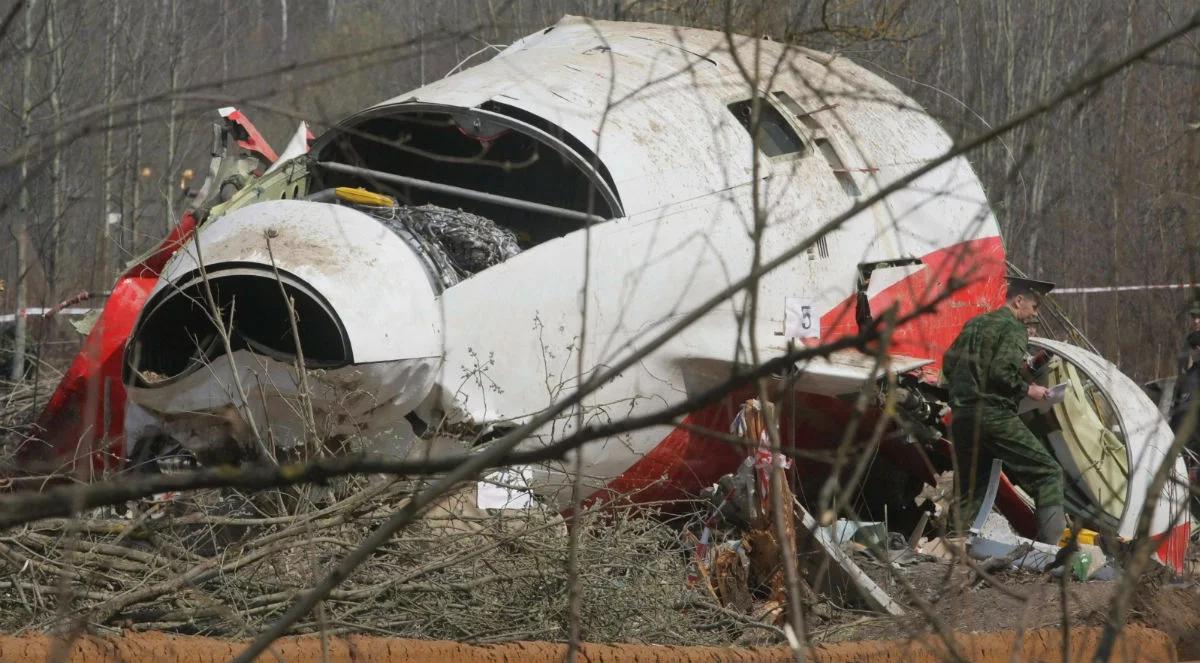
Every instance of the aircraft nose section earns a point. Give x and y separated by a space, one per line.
284 317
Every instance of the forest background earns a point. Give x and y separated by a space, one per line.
106 106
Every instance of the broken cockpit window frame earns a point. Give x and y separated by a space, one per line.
486 163
820 139
558 134
776 136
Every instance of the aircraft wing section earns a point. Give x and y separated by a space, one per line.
841 373
845 371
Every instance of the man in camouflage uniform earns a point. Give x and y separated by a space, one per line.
1185 357
1187 391
984 371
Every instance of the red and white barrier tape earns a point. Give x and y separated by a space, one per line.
39 310
1122 288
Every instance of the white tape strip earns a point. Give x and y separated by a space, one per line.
39 310
1122 288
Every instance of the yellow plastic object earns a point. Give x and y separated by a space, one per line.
1086 537
360 196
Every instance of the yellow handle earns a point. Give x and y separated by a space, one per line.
360 196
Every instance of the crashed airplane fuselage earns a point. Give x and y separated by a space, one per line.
459 257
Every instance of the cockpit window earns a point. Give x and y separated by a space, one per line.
493 166
775 136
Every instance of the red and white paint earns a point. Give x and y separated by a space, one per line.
649 103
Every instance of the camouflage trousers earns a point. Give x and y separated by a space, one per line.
983 433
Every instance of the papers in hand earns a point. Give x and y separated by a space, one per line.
1055 395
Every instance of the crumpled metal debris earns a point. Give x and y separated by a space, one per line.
742 501
735 571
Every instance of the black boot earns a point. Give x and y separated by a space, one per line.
1051 521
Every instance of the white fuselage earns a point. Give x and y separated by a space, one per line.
653 105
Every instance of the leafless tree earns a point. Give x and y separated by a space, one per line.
1109 181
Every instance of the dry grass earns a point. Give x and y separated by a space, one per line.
19 405
226 565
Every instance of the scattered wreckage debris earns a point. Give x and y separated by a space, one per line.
746 564
226 565
1077 549
737 554
1136 645
354 319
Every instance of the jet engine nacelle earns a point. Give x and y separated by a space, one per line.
217 339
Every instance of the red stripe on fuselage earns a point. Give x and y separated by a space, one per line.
685 462
81 430
977 264
1173 546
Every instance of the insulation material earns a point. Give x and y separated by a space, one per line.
1119 406
457 243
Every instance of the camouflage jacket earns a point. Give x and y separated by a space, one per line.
983 366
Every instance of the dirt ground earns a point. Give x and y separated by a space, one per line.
1173 608
1137 645
1027 601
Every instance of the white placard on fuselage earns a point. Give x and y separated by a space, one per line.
800 319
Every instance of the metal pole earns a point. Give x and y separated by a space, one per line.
470 194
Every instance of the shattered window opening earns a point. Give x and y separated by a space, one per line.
821 139
433 146
554 130
775 136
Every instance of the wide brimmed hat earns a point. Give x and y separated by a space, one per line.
1019 285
